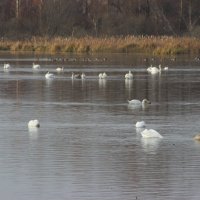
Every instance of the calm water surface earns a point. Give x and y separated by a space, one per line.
87 146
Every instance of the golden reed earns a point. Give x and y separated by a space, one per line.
158 45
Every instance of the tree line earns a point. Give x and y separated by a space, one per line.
99 18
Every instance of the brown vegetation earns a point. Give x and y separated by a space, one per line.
148 44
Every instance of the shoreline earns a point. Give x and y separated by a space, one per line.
156 45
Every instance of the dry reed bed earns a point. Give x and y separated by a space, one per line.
148 44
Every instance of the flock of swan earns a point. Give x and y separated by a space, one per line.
128 76
145 133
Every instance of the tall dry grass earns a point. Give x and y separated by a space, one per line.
148 44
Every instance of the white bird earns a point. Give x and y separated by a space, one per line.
49 75
36 66
154 70
33 123
129 75
75 76
150 133
138 103
6 66
60 69
102 75
149 68
83 76
166 68
140 124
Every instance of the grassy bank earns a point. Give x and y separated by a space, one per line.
157 45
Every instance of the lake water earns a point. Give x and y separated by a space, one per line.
87 146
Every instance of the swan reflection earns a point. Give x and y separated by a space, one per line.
128 83
102 83
33 133
150 145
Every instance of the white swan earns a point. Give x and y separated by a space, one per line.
6 66
154 70
140 124
138 103
60 69
150 133
33 123
129 75
83 76
166 68
149 68
36 66
75 76
49 75
102 75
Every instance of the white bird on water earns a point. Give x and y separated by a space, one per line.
60 69
150 133
166 68
49 75
33 123
36 66
6 66
78 76
83 76
138 103
103 75
140 124
129 75
154 70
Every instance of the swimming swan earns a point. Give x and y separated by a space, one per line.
83 76
33 123
36 66
149 68
136 102
102 75
6 66
154 70
75 76
166 68
49 75
150 133
60 69
78 76
140 124
129 75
